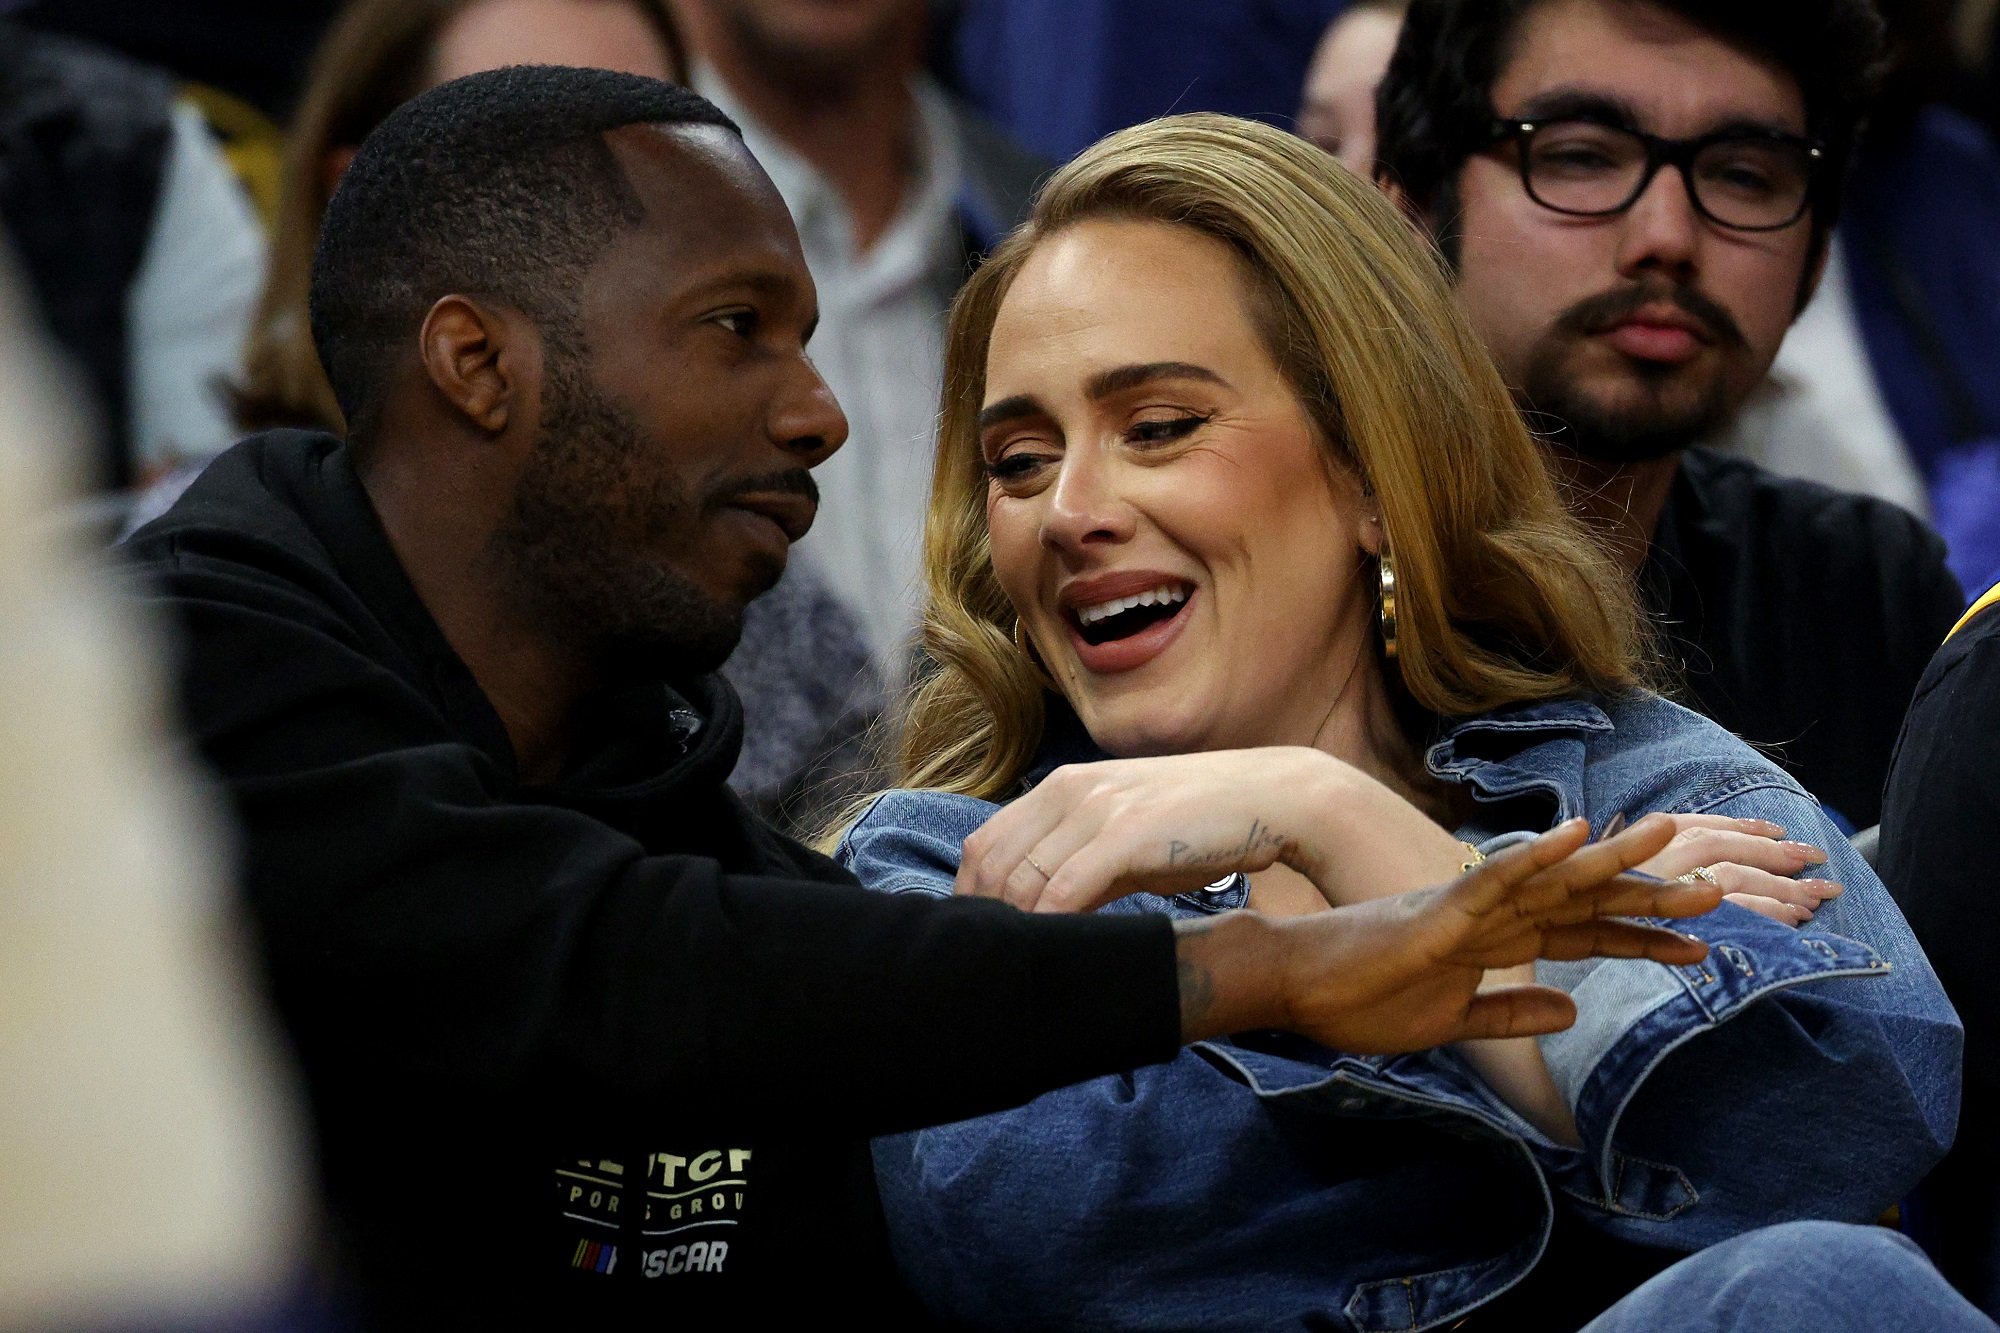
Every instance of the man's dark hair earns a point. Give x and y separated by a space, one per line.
497 185
1435 104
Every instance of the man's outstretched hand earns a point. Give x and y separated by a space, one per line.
1402 973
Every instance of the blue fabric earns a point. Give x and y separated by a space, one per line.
1801 1277
1924 211
1061 74
1266 1182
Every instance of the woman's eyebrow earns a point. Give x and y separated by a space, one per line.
1101 385
1008 409
1105 383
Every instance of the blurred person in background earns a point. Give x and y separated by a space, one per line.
896 188
1060 74
1635 199
140 252
1337 111
151 1172
810 690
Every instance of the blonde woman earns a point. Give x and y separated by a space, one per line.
1240 559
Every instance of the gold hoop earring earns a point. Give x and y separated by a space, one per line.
1385 592
1035 666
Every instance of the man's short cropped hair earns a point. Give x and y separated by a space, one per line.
497 185
1434 107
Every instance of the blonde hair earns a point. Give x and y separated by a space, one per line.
1502 596
377 55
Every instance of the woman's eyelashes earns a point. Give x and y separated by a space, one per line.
1165 430
1016 466
1021 462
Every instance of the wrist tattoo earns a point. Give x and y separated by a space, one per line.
1261 837
1197 987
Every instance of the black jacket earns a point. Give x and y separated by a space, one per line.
1937 857
1799 617
555 1037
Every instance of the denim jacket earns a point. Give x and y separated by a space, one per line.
1265 1182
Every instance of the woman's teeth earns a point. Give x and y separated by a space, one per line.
1091 615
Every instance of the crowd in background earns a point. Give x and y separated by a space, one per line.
164 170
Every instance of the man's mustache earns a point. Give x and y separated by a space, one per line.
1607 310
790 481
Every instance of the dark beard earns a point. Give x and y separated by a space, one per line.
572 545
1572 420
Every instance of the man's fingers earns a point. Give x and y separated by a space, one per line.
1487 883
1515 1011
1598 862
1621 939
1628 895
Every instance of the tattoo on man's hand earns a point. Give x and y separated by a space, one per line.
1261 837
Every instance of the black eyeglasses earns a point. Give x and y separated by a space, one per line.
1744 179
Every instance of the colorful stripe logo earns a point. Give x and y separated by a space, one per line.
594 1257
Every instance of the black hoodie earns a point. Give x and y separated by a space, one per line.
601 1052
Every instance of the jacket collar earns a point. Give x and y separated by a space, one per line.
1489 743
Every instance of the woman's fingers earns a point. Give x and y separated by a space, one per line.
1715 846
1790 914
1805 894
999 861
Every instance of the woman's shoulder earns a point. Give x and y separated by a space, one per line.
1666 756
909 841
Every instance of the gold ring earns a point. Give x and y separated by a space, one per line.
1700 875
1031 861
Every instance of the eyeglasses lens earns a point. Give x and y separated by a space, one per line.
1580 167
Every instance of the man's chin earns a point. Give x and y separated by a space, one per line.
1634 422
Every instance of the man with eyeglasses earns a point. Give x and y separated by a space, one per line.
1636 198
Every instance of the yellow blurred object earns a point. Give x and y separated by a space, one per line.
251 141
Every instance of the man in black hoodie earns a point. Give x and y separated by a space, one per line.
587 1044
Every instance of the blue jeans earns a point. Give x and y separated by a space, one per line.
1813 1277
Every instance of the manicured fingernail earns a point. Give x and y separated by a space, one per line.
1805 850
1763 826
1613 824
1822 888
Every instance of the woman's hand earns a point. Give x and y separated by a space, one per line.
1404 973
1751 862
1094 832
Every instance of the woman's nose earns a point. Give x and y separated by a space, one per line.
1085 504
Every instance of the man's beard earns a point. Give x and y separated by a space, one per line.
573 547
1669 417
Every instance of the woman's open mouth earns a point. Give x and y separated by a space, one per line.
1120 633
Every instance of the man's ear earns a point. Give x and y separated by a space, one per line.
469 356
1400 197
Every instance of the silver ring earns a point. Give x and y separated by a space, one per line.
1700 875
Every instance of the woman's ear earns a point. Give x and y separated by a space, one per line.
1374 538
